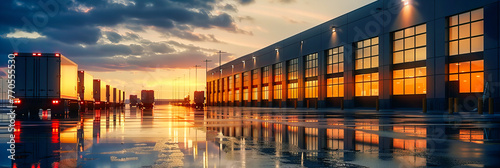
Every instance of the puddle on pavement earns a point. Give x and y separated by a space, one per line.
170 136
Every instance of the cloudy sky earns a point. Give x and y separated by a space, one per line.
155 44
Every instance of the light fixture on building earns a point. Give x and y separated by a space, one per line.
302 42
405 2
232 66
333 29
277 50
254 58
243 61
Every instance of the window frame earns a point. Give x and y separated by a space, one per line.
450 26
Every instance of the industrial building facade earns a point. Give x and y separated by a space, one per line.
391 54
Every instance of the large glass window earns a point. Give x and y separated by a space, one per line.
335 60
265 75
255 77
293 91
245 94
335 87
277 68
366 84
410 44
255 94
410 81
246 79
312 89
466 31
469 74
293 67
311 65
237 81
277 92
265 93
367 54
237 95
231 83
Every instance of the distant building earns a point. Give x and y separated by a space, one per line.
399 53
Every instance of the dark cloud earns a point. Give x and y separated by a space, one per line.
245 2
247 18
113 37
87 16
229 7
283 1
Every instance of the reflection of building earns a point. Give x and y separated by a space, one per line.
397 52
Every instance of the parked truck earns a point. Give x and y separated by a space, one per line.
133 100
100 96
199 99
86 90
119 98
113 97
147 99
109 96
45 81
123 98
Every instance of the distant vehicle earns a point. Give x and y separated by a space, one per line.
86 90
114 101
109 96
186 101
133 100
119 98
123 98
45 81
147 99
199 99
100 96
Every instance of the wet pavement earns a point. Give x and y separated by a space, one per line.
172 136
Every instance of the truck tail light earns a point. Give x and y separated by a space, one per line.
34 54
57 54
81 102
16 54
55 101
39 54
17 101
97 102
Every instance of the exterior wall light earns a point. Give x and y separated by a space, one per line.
333 29
405 2
254 58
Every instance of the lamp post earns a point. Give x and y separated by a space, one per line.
206 77
220 75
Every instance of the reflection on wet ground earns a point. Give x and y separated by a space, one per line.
171 136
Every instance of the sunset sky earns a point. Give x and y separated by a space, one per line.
148 44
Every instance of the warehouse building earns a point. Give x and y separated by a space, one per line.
391 53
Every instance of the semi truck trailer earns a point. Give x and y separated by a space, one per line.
109 97
100 96
45 81
113 98
133 100
86 90
199 99
147 99
119 99
123 98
